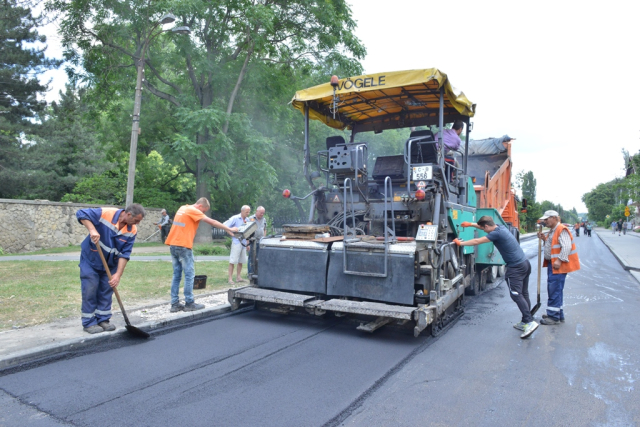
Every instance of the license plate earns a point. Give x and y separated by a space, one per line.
421 173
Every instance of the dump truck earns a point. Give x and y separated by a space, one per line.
490 168
378 242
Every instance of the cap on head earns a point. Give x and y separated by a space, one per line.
547 214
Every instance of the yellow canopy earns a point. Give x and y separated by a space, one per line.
385 101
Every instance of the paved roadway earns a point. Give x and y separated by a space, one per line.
257 368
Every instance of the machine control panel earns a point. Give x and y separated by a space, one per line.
427 233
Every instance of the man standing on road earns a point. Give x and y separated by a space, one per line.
180 241
560 258
238 254
614 226
259 218
620 224
518 267
112 231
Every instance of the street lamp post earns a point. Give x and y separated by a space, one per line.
135 127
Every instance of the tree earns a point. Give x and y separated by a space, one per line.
527 183
20 65
239 50
159 184
600 201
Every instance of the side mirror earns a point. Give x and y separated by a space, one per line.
523 209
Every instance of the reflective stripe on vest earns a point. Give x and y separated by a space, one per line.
108 249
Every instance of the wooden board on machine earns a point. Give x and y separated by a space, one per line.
304 231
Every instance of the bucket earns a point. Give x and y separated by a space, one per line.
200 282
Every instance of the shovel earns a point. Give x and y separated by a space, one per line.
537 306
132 329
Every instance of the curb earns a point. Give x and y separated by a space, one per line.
624 265
75 344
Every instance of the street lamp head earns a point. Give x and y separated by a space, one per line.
181 30
167 18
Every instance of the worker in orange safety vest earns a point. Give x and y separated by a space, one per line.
560 258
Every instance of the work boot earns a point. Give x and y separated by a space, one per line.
528 329
192 306
544 316
106 326
94 329
549 321
176 307
519 326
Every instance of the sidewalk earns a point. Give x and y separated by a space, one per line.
626 249
18 346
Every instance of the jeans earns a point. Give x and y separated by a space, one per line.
555 289
182 259
517 278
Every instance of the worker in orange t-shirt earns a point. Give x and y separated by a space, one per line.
180 241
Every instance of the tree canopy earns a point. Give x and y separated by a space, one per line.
226 85
22 59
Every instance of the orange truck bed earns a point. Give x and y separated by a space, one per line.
492 174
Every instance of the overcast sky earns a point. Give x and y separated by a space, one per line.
563 77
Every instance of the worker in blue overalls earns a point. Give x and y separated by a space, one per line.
114 231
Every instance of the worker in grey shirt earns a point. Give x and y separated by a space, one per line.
259 218
518 267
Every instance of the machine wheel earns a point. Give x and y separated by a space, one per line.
481 277
472 285
502 270
492 273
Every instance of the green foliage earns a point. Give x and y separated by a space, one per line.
225 88
227 242
158 184
20 66
1 251
210 250
529 219
617 213
600 201
527 183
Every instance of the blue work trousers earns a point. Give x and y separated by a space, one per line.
182 259
555 289
96 294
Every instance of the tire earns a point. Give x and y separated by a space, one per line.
502 270
474 287
492 274
481 277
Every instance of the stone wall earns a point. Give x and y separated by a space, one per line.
28 225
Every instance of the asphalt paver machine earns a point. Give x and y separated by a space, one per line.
391 256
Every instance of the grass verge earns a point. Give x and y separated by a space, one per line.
34 292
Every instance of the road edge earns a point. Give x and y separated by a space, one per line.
75 344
